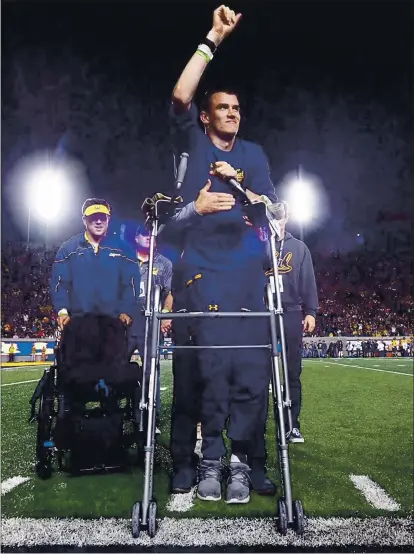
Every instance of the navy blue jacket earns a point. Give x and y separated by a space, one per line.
105 283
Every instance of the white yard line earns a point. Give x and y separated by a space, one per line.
198 532
11 483
182 502
374 494
20 382
370 368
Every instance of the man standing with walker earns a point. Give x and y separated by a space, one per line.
222 264
222 269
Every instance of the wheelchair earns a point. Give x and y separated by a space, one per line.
87 403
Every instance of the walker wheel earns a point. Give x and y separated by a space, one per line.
136 520
152 519
298 517
282 523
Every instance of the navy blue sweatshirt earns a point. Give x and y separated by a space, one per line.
296 275
221 240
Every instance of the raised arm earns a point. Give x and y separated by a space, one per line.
224 22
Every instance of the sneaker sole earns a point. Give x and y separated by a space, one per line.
237 501
209 498
180 491
292 441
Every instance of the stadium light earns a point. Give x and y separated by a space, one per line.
301 200
45 188
301 197
46 191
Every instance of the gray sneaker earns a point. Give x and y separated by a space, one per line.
210 474
238 484
294 436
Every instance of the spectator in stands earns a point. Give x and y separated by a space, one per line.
12 351
324 348
404 347
319 346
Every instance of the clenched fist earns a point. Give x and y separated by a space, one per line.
225 21
211 202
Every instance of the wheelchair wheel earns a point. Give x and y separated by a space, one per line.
44 440
298 517
152 519
63 460
282 522
136 520
44 469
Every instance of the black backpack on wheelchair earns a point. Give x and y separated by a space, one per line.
88 400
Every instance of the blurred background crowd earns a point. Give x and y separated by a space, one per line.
361 294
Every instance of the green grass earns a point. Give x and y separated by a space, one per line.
354 421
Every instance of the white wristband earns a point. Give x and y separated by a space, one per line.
204 48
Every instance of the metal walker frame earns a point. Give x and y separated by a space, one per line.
144 514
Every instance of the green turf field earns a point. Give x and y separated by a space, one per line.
357 419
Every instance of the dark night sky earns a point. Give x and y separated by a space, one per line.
363 50
364 45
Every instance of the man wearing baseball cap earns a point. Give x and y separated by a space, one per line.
161 275
95 273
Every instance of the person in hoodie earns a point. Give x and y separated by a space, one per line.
94 273
300 304
222 271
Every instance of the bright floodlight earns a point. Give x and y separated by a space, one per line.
301 200
46 191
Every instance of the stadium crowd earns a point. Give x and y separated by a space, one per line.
363 294
25 294
371 348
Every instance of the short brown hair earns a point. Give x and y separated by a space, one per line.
205 104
